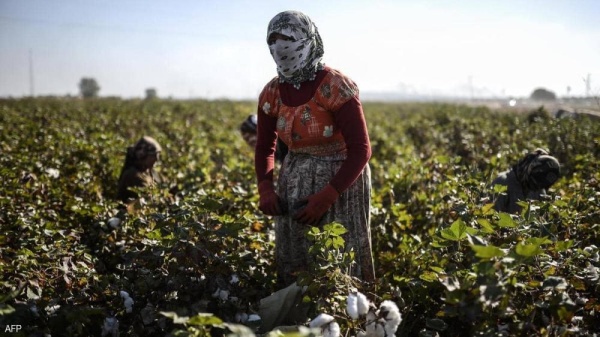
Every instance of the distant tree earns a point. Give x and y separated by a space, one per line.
88 87
541 94
151 94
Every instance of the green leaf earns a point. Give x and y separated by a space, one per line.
6 309
204 319
506 221
436 324
335 228
538 241
486 226
456 232
429 276
487 252
528 250
176 318
561 246
498 188
154 235
338 242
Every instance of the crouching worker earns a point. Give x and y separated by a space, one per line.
248 129
138 168
527 180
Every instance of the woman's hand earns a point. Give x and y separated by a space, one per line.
317 205
269 200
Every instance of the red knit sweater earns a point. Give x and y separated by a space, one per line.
349 119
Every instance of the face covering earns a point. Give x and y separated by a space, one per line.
298 59
290 56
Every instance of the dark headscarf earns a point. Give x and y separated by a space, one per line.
144 147
537 170
249 125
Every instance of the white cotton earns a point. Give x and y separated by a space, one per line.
223 295
51 310
34 310
114 222
391 314
52 172
361 334
216 293
253 318
241 317
128 302
375 329
352 306
321 320
110 327
363 304
234 279
331 330
124 294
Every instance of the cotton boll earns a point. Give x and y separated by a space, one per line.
114 222
52 172
234 279
123 294
363 304
223 295
352 306
34 310
375 329
51 309
241 317
110 327
331 330
361 334
253 318
388 310
128 302
321 320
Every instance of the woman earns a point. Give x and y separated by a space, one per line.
138 168
325 177
528 179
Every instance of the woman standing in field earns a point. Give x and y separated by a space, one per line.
325 177
138 168
528 179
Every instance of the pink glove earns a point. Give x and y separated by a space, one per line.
317 205
269 200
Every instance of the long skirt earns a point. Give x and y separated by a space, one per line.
302 175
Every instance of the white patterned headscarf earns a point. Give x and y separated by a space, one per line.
297 60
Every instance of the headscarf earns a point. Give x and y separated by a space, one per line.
135 154
146 146
249 125
537 170
298 60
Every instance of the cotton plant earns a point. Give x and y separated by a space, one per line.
378 322
127 301
329 327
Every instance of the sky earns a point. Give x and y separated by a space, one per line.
217 49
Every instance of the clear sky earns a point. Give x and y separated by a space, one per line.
217 49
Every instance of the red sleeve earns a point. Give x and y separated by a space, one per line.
350 120
264 155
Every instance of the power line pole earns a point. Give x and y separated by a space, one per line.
588 85
31 89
